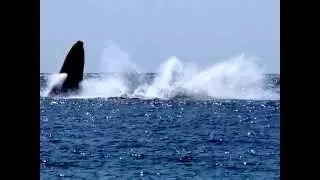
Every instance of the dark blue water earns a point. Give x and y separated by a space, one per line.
182 138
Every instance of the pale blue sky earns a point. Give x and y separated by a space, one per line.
150 31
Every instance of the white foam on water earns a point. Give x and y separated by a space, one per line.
103 87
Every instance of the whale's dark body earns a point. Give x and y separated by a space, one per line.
73 66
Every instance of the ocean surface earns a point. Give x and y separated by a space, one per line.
147 127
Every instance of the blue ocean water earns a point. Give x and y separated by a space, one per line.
177 138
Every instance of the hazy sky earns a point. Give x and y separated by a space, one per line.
150 31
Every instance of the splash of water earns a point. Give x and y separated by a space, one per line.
106 86
239 77
54 80
114 59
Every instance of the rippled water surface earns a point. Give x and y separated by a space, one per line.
118 138
181 136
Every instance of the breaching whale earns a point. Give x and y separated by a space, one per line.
73 67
